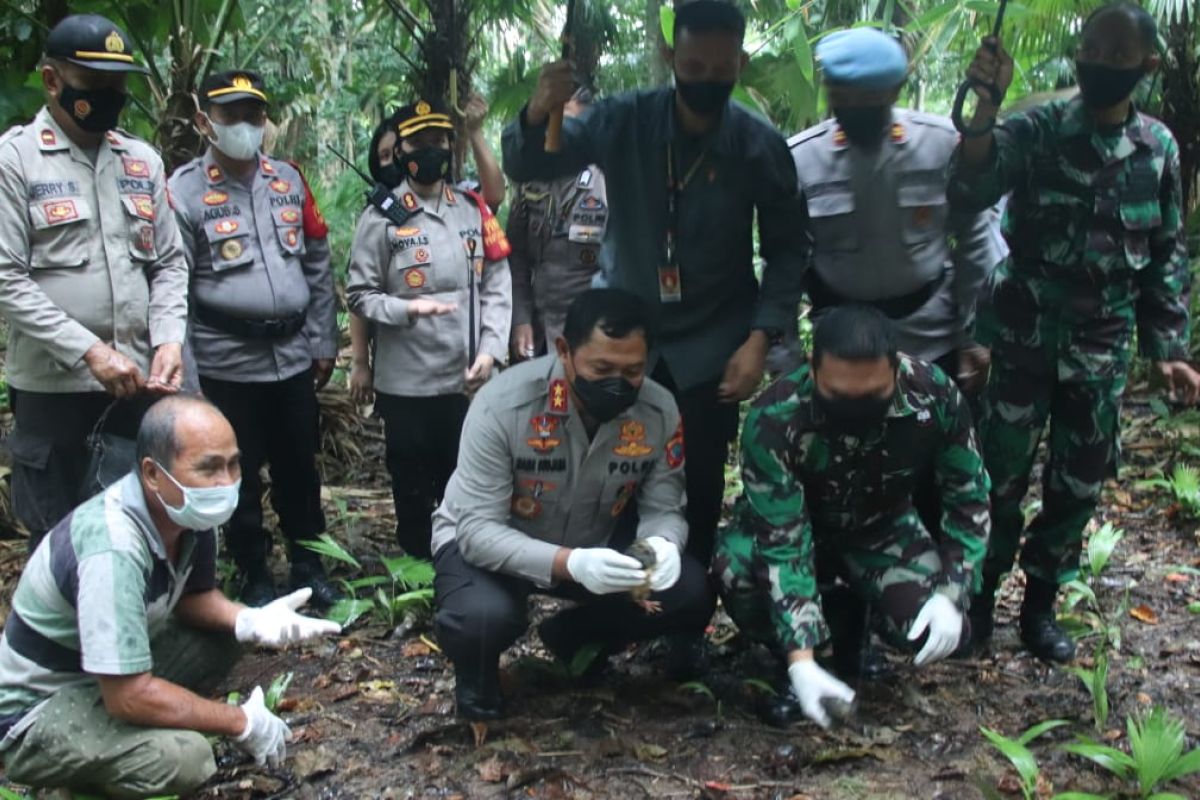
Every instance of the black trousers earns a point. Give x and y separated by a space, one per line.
421 436
709 427
480 614
276 423
49 450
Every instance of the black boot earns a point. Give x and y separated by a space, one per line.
477 694
981 616
566 644
310 573
781 709
1039 628
258 588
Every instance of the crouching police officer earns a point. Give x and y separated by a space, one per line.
93 281
430 273
553 454
264 332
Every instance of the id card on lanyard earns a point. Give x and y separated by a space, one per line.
670 280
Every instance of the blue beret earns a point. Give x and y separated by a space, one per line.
864 58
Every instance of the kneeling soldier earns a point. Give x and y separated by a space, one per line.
831 455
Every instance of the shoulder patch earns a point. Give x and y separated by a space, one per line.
815 132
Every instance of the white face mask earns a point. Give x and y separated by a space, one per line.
240 141
204 507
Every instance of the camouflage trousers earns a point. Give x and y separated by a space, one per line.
76 744
895 570
1084 443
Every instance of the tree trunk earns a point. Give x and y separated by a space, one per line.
1181 101
659 73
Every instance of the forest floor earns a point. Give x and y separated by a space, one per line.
372 711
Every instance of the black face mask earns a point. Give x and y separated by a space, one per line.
426 166
94 110
605 398
864 126
390 175
854 415
706 98
1102 86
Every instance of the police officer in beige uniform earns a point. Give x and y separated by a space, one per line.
264 330
554 453
93 280
556 228
433 282
873 179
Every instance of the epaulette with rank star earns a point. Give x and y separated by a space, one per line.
410 201
267 168
214 173
899 134
48 138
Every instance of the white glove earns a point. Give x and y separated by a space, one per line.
811 684
277 624
266 735
666 567
602 570
944 621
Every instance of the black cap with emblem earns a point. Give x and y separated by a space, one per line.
94 42
231 86
421 115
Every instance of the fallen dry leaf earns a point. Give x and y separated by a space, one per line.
345 693
649 752
415 648
1144 613
1145 699
493 770
479 730
1177 577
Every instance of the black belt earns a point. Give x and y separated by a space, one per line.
824 296
250 328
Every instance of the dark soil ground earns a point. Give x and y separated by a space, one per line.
372 712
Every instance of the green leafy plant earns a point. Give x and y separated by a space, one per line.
1095 680
1184 485
572 670
1100 547
701 688
1155 756
9 794
405 588
1018 753
276 690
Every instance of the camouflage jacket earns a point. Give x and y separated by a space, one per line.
806 486
1095 225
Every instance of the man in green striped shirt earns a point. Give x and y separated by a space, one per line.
117 612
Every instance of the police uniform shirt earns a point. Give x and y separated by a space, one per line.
431 257
250 259
529 480
89 251
556 229
881 225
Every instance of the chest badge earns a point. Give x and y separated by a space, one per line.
633 440
544 427
144 206
281 186
421 255
136 168
624 495
292 237
414 278
226 226
526 507
60 211
231 249
145 239
215 198
290 215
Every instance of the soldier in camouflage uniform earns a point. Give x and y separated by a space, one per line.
1098 244
831 455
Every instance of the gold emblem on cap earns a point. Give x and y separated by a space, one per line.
113 43
423 108
242 82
